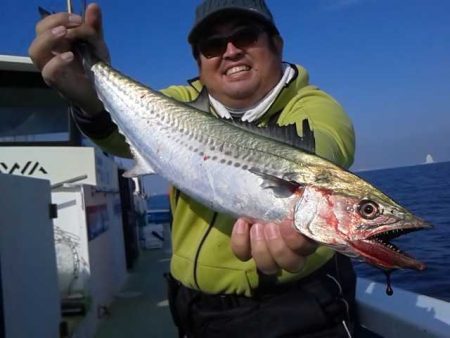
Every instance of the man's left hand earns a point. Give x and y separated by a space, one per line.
272 246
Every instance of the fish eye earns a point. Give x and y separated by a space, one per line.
368 209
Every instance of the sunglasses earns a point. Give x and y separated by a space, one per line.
216 45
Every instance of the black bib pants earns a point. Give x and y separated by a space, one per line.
319 305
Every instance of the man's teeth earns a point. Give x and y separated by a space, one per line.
237 69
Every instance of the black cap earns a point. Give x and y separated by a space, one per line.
209 9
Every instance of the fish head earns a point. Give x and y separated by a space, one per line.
359 225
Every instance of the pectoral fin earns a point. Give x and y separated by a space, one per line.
141 167
279 185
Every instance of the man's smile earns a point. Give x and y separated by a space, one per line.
236 69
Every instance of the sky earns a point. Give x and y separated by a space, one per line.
386 61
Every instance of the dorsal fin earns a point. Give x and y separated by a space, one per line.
201 102
284 134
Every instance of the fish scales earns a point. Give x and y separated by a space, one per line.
158 125
237 172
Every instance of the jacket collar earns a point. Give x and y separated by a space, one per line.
298 81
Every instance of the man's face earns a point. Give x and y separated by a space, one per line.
241 76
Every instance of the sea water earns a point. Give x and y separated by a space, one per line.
424 190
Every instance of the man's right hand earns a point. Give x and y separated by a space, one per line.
272 246
52 53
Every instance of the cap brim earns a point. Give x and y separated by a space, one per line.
224 12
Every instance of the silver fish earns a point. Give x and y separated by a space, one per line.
238 172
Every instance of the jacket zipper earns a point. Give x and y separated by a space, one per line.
197 254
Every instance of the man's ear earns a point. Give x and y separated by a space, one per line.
279 44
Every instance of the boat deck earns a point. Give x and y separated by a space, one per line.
141 309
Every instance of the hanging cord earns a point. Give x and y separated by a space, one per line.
341 298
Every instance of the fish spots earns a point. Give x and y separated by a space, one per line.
206 157
323 177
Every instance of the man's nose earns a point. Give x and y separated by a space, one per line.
231 50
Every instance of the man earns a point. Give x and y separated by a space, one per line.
229 277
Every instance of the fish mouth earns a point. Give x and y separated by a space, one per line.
378 249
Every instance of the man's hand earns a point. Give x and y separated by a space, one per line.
52 53
272 246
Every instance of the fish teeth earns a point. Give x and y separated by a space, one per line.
204 167
387 244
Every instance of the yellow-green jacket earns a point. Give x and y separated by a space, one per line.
202 257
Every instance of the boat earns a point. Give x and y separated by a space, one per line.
429 159
88 197
404 314
91 237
